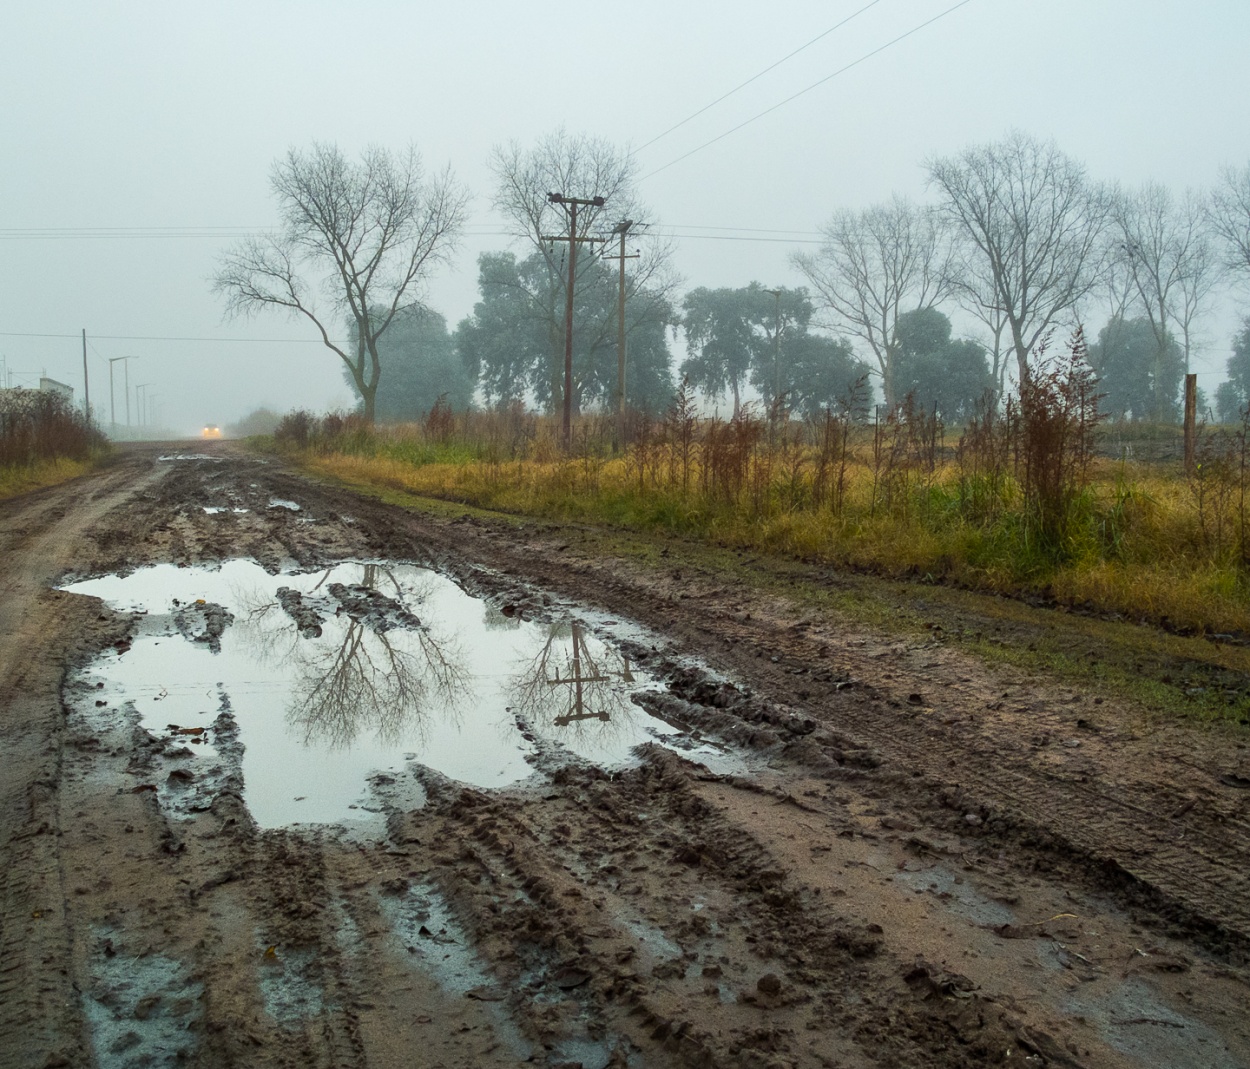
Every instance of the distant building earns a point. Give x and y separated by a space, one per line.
52 386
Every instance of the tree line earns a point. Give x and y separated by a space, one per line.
1017 238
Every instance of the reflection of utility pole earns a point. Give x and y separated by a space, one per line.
577 709
572 239
621 228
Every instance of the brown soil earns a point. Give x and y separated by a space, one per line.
936 863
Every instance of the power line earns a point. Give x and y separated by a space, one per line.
755 77
162 337
814 85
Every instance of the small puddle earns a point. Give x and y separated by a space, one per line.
169 457
283 503
142 1009
430 934
1138 1024
289 985
357 669
959 898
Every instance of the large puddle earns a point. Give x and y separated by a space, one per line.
355 669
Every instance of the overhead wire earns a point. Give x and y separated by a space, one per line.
756 77
829 77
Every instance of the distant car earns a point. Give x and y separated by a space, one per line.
211 431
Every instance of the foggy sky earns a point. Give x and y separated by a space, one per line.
164 120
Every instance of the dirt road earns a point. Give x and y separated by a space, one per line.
840 848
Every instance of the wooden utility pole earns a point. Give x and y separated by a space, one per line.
621 229
571 204
776 345
1191 421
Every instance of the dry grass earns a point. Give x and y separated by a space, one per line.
21 479
1140 549
1018 502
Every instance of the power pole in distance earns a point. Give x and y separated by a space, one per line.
776 344
621 229
570 204
112 401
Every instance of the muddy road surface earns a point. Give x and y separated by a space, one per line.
290 777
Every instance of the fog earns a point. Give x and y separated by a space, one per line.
139 137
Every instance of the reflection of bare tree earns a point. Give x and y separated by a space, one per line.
568 683
376 666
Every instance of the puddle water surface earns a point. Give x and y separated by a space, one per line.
358 669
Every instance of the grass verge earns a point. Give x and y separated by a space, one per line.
21 479
1164 673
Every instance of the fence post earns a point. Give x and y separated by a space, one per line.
1191 419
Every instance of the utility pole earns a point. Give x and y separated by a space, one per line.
776 345
621 229
141 401
86 385
571 204
112 400
126 369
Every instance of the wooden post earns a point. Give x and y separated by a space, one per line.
1191 421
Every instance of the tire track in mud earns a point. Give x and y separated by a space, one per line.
684 935
37 534
1204 883
596 873
1123 831
1209 878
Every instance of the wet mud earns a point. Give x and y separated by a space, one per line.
294 778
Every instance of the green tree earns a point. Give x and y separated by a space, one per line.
1232 396
762 336
1140 378
942 374
720 340
819 372
515 328
421 364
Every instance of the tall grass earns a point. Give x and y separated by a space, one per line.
1018 502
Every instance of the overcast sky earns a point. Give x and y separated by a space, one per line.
168 117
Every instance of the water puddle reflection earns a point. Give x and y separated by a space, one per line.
358 669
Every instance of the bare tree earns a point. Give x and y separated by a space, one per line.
365 235
1167 255
874 266
972 286
1036 223
1229 213
583 167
